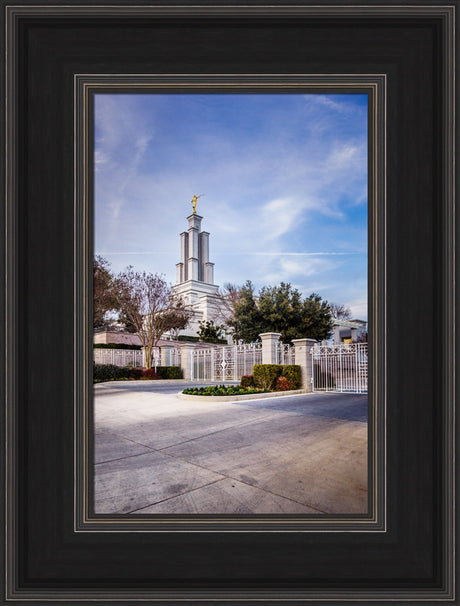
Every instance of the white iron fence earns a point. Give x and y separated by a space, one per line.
224 363
175 357
341 368
124 357
285 354
171 356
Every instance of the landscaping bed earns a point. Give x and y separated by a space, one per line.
266 379
245 396
222 390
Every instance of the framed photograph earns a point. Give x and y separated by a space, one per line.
114 116
183 458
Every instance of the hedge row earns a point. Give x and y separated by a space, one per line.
115 346
192 339
169 372
109 372
266 376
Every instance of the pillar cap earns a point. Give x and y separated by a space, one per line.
305 340
189 345
270 334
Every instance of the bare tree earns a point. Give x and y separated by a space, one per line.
180 321
340 311
229 296
147 301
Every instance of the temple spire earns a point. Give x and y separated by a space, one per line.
195 276
194 247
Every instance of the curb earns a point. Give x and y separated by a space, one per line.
253 396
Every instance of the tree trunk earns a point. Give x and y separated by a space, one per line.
147 356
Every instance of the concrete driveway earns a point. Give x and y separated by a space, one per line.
155 453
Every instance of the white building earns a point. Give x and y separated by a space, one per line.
349 331
195 277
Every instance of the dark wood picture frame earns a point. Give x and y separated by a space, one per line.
87 86
49 557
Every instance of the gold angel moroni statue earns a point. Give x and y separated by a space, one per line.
193 201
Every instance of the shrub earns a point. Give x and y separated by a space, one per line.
293 374
109 372
265 375
135 373
247 381
192 339
149 373
169 372
283 384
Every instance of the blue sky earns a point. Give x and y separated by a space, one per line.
284 179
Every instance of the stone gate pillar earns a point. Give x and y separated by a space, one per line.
303 359
186 360
270 341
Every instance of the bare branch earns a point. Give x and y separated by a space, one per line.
148 303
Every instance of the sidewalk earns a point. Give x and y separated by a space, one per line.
156 453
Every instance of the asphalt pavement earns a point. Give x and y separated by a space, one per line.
155 453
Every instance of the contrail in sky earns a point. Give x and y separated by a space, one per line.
246 253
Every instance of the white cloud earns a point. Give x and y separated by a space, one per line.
329 103
100 157
309 267
279 216
344 156
358 308
297 270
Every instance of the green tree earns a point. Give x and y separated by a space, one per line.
246 320
317 320
210 332
104 300
281 310
128 326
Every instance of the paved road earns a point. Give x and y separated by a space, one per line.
156 453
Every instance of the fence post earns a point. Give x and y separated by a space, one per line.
270 341
304 360
186 360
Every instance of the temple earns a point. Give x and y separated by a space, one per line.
195 276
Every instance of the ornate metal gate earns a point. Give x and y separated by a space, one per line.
224 363
341 368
